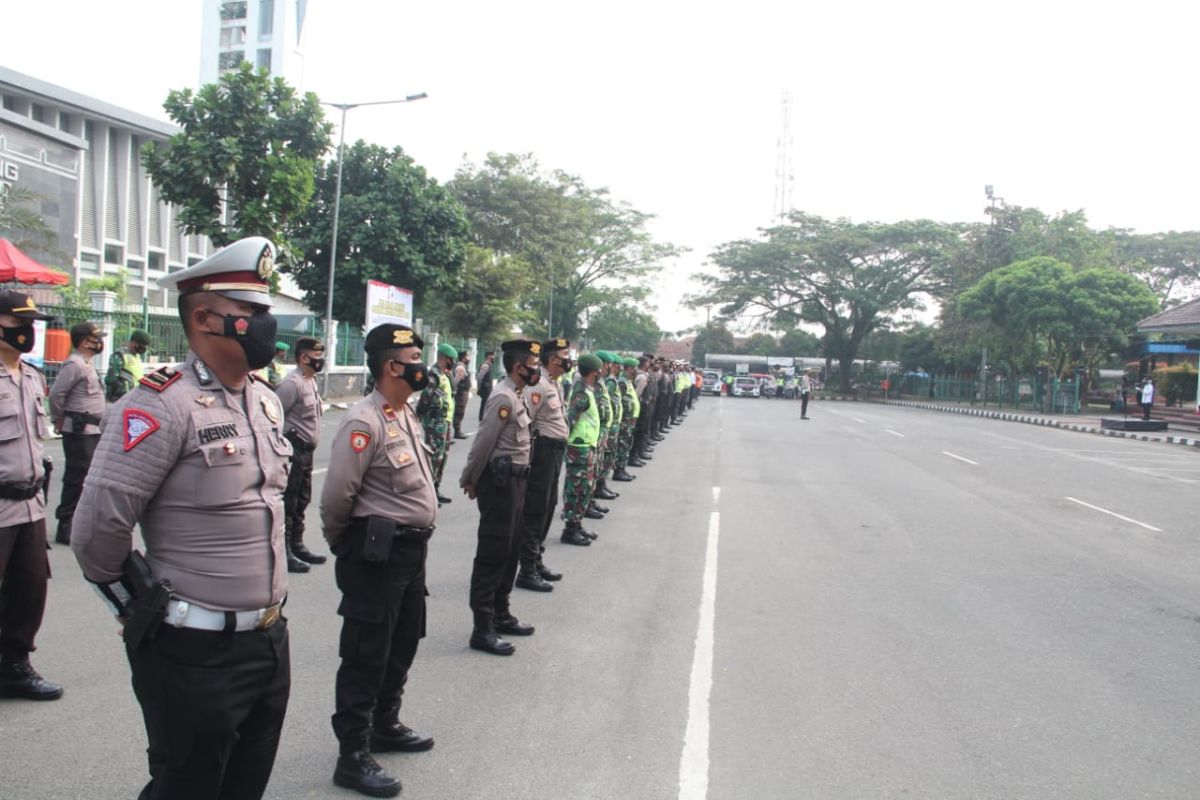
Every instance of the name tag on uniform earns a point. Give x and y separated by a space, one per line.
217 432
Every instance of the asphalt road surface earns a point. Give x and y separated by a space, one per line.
877 603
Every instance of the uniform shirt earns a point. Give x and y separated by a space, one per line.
545 407
378 466
483 380
77 388
434 405
641 382
301 406
462 383
504 431
22 426
203 469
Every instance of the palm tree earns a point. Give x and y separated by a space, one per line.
20 223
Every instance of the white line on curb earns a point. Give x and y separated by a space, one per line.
693 763
960 458
894 433
1115 514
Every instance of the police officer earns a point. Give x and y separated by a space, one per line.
461 381
125 366
378 509
24 569
76 408
485 379
196 455
301 402
583 422
435 408
642 388
548 421
495 477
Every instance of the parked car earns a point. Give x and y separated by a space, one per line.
711 382
746 387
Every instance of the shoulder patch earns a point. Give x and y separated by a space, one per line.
359 440
160 379
138 425
504 412
535 399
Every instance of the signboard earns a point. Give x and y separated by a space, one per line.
37 356
388 304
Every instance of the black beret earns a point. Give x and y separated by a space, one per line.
522 346
556 344
388 335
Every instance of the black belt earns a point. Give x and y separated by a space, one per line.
515 470
84 418
21 491
553 445
298 443
404 532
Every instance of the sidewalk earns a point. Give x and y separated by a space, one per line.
1084 423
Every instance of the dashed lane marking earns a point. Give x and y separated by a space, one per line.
1121 517
960 458
894 433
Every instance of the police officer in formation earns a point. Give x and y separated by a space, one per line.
548 421
76 409
197 456
460 379
378 510
24 568
435 408
495 477
125 366
301 402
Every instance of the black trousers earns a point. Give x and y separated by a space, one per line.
804 404
495 566
78 449
298 494
483 396
213 703
460 409
541 498
24 572
383 619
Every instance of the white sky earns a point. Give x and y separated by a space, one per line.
900 109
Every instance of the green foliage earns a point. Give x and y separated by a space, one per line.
1177 384
76 297
623 327
482 298
850 278
712 338
22 224
396 224
1169 262
759 344
248 148
587 249
798 342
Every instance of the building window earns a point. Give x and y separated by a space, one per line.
234 36
89 262
266 18
10 103
157 261
135 265
64 121
233 10
114 254
37 113
194 260
230 60
264 60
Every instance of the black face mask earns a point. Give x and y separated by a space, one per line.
316 364
255 334
414 374
532 376
96 347
566 364
20 337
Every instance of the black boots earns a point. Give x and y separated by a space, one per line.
547 574
529 578
362 773
623 476
18 678
573 534
507 623
390 735
63 534
303 553
294 564
603 492
485 638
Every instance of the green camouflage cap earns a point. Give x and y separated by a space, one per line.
447 350
589 361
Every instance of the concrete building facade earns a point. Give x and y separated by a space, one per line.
266 33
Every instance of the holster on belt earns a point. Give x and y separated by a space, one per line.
299 444
82 418
501 467
379 533
146 606
28 491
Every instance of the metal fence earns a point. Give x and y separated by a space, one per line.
1050 396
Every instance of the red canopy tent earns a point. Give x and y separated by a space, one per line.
16 267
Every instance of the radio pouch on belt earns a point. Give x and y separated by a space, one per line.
501 471
377 541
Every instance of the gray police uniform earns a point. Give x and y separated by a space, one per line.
548 421
301 404
76 406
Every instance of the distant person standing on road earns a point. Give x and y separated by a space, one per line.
806 387
301 403
484 380
461 380
76 408
1146 397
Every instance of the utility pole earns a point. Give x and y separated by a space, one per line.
784 177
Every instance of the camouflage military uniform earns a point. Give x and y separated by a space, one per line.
628 420
604 407
580 460
433 409
613 434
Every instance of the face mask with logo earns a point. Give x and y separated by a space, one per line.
414 374
316 364
20 338
255 334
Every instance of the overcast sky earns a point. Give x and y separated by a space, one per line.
900 109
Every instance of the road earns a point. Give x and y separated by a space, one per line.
877 603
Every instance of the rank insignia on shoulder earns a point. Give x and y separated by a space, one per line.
160 379
203 376
270 407
388 411
138 425
359 440
535 399
504 412
393 432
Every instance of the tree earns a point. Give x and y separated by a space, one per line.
588 249
623 327
482 298
396 225
20 223
798 342
850 278
760 344
1169 262
712 338
243 163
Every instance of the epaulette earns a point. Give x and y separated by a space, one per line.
161 378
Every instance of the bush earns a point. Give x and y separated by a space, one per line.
1177 384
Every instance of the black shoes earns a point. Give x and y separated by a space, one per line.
604 493
531 580
512 626
295 564
490 642
592 513
623 476
459 435
636 462
63 534
396 737
573 534
548 574
443 500
362 773
18 678
304 554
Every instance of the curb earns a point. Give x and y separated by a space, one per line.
1046 422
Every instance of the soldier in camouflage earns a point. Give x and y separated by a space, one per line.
629 417
435 409
583 422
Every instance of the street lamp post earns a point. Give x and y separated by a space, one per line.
330 335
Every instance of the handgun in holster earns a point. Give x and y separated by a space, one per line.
138 599
47 468
501 470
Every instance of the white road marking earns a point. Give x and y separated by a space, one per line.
859 420
1115 514
693 763
960 458
894 433
319 471
716 494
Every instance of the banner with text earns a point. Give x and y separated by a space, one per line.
387 303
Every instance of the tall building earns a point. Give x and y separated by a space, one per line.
266 33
